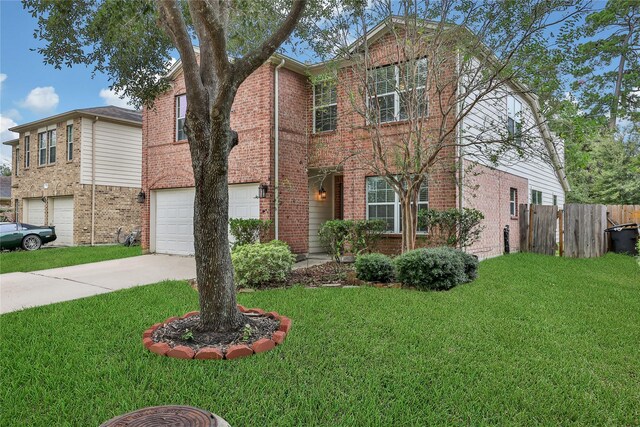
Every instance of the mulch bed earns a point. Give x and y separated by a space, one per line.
318 275
186 332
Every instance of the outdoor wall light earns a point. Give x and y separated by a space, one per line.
262 191
141 197
322 193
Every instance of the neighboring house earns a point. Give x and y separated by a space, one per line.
79 171
297 148
5 191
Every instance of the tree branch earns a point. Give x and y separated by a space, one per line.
252 60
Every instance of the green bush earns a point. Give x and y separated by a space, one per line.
359 236
435 268
247 230
334 235
374 268
260 264
452 227
470 265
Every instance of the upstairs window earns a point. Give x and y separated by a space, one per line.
69 142
17 162
42 148
513 202
51 137
27 151
536 197
181 114
514 119
397 92
325 106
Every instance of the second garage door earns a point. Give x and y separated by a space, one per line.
61 216
34 211
174 215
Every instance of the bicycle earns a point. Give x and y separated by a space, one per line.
131 239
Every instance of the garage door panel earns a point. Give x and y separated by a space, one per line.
174 215
62 218
34 210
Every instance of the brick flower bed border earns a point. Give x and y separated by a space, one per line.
216 353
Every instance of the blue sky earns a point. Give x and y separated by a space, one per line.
30 89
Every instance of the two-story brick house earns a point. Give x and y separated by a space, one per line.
79 171
296 141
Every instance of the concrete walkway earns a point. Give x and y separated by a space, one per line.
21 290
36 288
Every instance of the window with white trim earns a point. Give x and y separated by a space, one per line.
27 151
397 90
17 163
51 138
69 142
555 200
536 197
181 114
384 204
42 148
513 202
514 119
325 106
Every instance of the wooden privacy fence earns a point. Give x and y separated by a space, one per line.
577 231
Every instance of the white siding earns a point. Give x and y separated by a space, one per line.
488 121
118 154
319 210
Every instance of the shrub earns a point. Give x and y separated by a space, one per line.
339 235
365 234
334 235
436 268
374 268
452 227
259 264
470 265
247 230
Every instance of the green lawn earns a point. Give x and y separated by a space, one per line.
535 340
62 257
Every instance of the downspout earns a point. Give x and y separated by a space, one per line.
93 181
276 132
459 139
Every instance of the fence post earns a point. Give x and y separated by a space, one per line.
523 224
561 232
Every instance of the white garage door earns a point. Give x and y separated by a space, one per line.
174 215
33 211
61 209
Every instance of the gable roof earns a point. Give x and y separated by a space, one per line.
109 112
5 187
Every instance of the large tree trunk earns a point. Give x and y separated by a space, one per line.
218 309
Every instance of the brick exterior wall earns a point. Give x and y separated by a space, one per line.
115 206
488 190
344 152
349 148
167 163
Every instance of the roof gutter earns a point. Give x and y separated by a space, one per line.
276 131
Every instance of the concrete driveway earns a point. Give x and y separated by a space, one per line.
21 290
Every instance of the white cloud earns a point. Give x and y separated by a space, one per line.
41 100
5 124
6 135
111 97
3 77
12 114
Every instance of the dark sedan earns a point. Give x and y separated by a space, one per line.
14 235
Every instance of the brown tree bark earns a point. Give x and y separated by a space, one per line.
211 85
